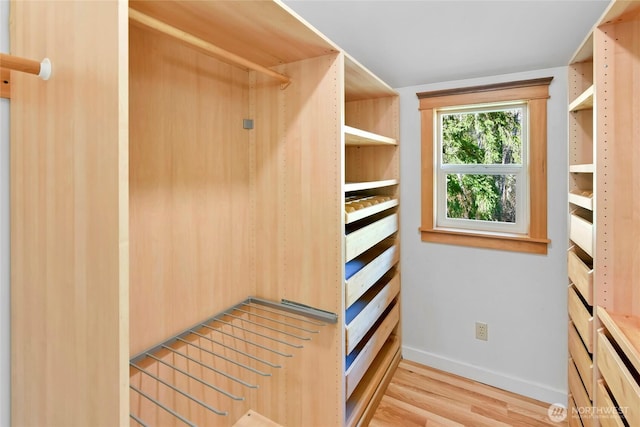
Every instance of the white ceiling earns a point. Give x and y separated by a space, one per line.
415 42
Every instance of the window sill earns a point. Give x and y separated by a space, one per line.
488 240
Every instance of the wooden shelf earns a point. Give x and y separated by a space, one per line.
374 382
362 84
364 355
581 317
584 101
581 233
604 401
375 264
585 168
577 390
579 199
581 273
368 185
581 358
367 310
354 136
362 239
625 331
622 383
361 213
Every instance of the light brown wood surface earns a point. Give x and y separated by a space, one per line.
257 30
582 359
254 419
69 238
362 84
5 83
202 45
25 65
622 383
618 159
360 282
581 274
362 323
366 237
421 396
371 349
605 403
581 233
155 150
581 317
298 224
625 331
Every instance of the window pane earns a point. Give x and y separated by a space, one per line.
481 197
482 137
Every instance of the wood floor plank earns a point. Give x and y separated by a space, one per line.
421 396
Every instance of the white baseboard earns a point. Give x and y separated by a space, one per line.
482 375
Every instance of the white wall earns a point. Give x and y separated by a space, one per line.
446 289
4 233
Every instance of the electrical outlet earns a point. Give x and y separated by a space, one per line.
482 331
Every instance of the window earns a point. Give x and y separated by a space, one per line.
484 166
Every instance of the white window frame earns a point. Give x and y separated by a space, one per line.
521 226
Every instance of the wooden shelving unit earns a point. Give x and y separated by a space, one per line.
604 273
160 207
583 102
372 281
353 136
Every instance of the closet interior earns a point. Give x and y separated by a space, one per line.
204 205
604 286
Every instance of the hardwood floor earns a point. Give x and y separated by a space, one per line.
421 396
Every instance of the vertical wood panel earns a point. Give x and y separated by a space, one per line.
69 241
427 174
189 178
538 168
381 116
618 159
299 227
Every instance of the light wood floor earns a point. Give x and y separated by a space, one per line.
421 396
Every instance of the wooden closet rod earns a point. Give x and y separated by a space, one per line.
204 46
40 69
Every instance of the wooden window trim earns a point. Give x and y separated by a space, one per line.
536 93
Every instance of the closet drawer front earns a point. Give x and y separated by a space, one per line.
581 275
624 387
609 416
580 395
368 353
360 325
581 317
360 282
360 240
572 414
582 359
582 233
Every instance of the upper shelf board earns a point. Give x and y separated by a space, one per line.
360 83
353 136
368 185
586 168
584 101
264 32
267 33
582 200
